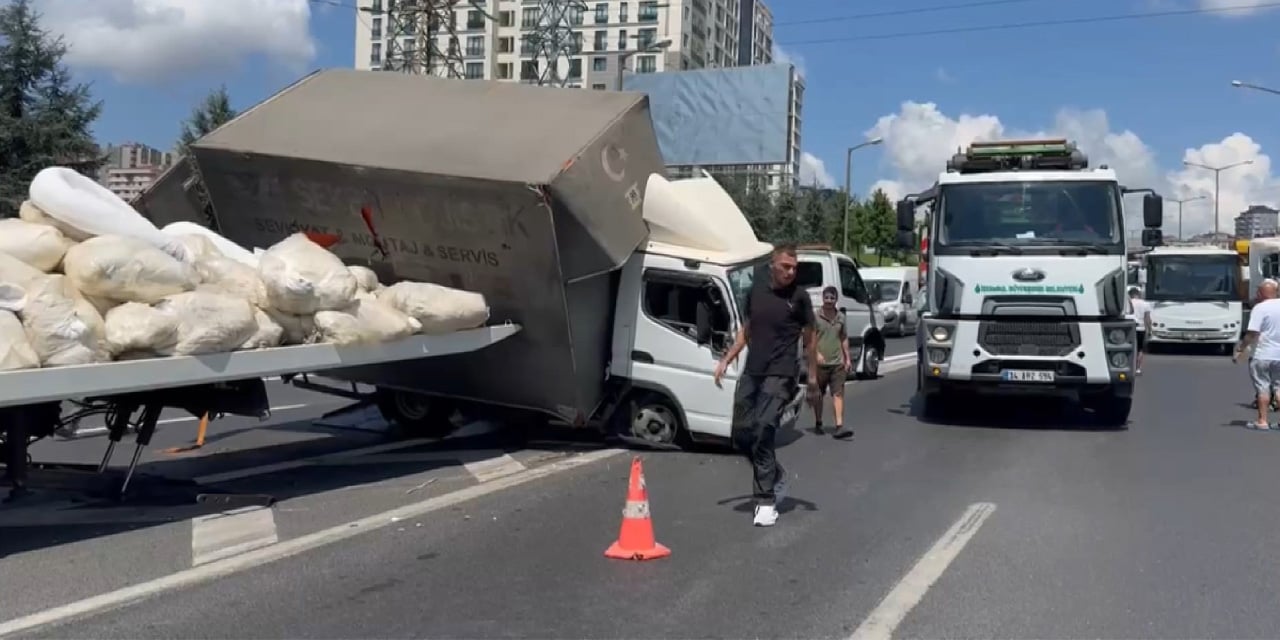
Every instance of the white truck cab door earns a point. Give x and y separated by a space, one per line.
686 324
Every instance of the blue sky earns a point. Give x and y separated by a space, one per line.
1138 94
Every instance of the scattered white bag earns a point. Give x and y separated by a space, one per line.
198 246
225 246
54 327
15 271
35 215
134 327
38 245
366 279
438 308
268 333
15 350
366 321
297 329
225 275
301 277
208 322
126 270
78 201
12 297
89 314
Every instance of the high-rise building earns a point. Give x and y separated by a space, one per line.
755 33
643 36
132 167
1258 221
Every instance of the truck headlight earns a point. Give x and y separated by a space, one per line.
938 356
1120 360
940 333
1117 336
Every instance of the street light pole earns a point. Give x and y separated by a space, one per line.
1245 85
848 193
1217 184
1180 203
650 48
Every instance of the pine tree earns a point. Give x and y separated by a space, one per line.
44 115
881 224
212 112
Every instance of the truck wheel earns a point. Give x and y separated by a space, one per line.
870 368
1112 412
415 414
650 417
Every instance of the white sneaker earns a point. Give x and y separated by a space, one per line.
766 515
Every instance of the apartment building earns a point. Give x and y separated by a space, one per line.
1258 221
755 33
132 167
638 36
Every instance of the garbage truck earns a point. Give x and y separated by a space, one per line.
628 287
1027 282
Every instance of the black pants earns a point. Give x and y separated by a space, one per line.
757 411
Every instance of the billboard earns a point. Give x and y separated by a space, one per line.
736 115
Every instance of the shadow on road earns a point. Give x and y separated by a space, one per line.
1045 414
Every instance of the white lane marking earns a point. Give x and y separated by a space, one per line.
291 547
898 358
89 431
222 535
890 613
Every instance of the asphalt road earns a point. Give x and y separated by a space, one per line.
1027 522
898 345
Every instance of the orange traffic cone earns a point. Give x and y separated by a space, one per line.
636 541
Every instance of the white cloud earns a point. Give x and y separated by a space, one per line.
1236 7
919 139
782 56
813 169
150 41
944 76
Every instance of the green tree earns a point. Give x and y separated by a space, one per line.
815 216
786 218
761 212
212 112
881 224
45 117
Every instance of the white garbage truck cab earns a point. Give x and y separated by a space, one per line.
1026 290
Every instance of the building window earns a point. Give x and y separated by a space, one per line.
622 13
648 11
506 18
506 44
475 20
575 68
622 40
645 38
528 69
599 64
526 46
376 29
575 15
597 87
474 71
377 6
646 64
575 46
475 45
375 55
504 71
602 13
529 17
602 41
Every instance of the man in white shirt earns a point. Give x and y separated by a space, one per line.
1139 312
1263 336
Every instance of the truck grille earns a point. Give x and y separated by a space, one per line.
1014 338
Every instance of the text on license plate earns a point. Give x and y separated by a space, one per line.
1020 375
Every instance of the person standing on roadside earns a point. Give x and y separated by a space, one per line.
833 363
1139 312
1263 335
1266 291
776 316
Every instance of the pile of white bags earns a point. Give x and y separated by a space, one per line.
84 278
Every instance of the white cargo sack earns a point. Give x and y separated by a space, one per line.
38 245
266 334
126 270
301 277
15 349
15 271
297 329
134 327
366 279
54 328
438 308
208 322
78 201
228 248
366 321
198 246
228 276
29 212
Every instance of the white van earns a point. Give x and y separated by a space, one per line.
894 291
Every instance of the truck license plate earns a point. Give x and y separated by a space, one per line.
1017 375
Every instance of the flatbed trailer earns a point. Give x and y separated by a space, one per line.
31 399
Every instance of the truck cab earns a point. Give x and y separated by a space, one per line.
1027 279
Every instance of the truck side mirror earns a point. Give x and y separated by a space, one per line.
906 239
1152 238
906 215
703 325
860 293
1152 213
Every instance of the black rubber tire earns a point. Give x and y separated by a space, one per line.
416 415
656 406
1112 412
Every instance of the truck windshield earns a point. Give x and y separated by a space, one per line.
1023 214
883 290
742 278
1193 278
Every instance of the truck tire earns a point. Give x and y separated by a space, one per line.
1112 411
416 415
650 418
869 368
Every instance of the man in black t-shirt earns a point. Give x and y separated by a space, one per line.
777 315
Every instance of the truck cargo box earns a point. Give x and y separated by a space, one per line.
529 195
